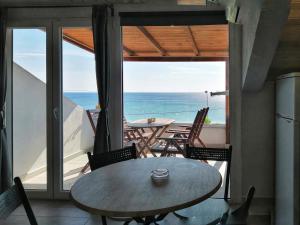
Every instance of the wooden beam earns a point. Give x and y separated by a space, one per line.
78 43
191 2
152 40
128 51
211 53
174 59
192 40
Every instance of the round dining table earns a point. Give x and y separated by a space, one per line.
125 189
157 127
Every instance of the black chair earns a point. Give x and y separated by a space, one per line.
239 216
104 159
14 197
97 161
215 206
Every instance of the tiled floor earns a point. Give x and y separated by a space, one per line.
72 171
65 213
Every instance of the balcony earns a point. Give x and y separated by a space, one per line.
78 136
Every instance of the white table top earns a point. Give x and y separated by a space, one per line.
143 123
126 189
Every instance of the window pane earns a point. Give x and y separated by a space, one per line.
29 107
79 88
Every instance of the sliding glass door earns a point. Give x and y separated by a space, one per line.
51 85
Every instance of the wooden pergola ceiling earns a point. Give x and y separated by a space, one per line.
191 2
164 43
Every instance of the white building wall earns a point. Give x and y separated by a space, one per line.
258 145
29 125
211 134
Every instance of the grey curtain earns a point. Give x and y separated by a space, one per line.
101 16
5 162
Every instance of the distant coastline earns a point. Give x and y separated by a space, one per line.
181 106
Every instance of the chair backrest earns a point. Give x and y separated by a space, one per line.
201 121
197 125
242 212
193 130
93 115
12 198
103 159
214 154
239 215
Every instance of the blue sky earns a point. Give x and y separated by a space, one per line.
79 68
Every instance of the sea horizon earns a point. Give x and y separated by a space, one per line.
140 92
181 106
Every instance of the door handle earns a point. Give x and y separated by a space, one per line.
56 113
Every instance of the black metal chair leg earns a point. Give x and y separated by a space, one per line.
149 220
121 219
103 218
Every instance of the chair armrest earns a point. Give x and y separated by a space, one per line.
128 129
178 131
172 138
186 126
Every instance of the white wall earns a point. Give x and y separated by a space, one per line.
212 134
29 124
258 141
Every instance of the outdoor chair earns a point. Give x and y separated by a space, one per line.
196 137
129 134
213 205
175 143
13 198
239 216
93 115
97 161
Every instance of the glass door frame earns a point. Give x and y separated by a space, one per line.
34 193
58 165
52 19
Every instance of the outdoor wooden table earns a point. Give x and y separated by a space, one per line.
126 189
157 127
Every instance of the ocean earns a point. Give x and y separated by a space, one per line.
179 106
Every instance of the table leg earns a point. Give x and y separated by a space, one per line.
147 142
147 220
165 151
162 130
141 151
103 219
151 138
179 148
